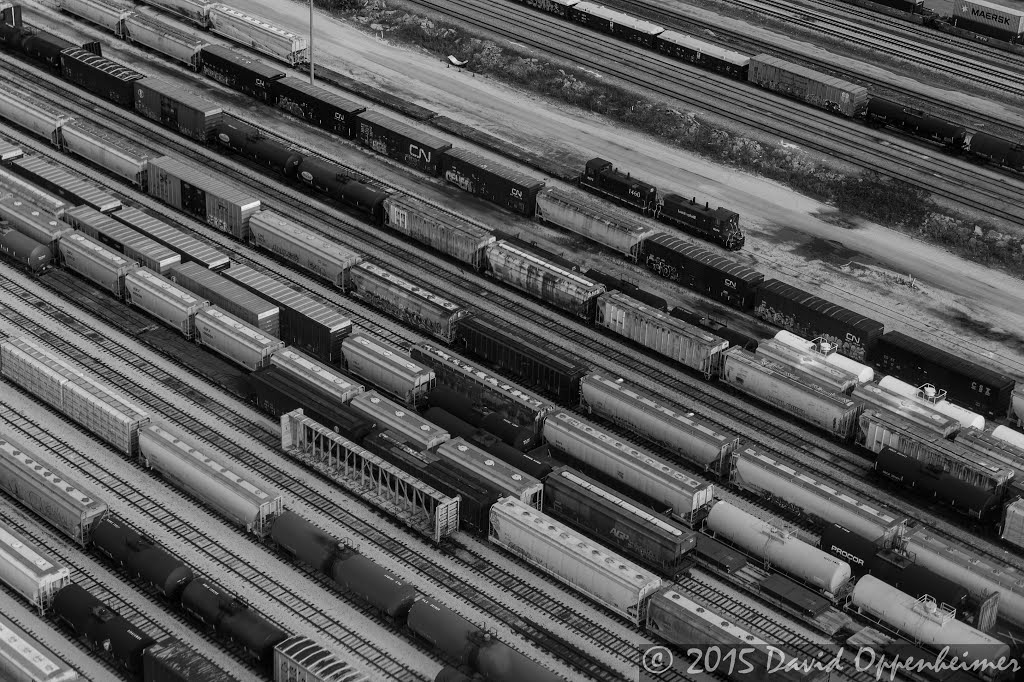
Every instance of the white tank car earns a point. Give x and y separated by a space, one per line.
966 418
863 373
1008 435
926 622
782 548
1017 405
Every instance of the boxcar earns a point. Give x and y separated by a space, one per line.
277 392
799 82
616 23
177 109
102 77
241 73
214 202
703 54
188 247
232 298
54 178
320 107
698 269
396 140
123 239
491 181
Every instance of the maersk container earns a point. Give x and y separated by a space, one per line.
606 577
790 392
35 116
506 478
622 234
320 107
177 109
54 178
807 85
116 153
214 479
260 34
403 422
24 659
107 14
239 342
164 38
19 189
396 140
824 375
406 301
33 223
652 418
304 322
989 18
439 230
386 367
675 339
308 250
173 305
123 239
491 181
102 77
196 11
332 383
878 397
239 72
216 203
96 262
549 282
229 296
642 471
185 245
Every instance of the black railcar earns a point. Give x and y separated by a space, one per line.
491 181
916 122
719 556
719 225
794 596
602 178
537 463
508 432
102 77
401 142
615 23
703 54
531 360
966 383
25 251
613 283
141 557
702 271
101 628
996 150
966 497
320 107
238 72
170 661
47 49
912 6
230 617
337 183
246 140
735 337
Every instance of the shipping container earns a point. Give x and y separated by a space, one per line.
406 301
989 18
34 115
107 14
616 23
297 244
27 569
25 659
102 77
300 658
304 322
185 245
639 533
703 54
700 270
22 190
809 363
814 88
260 34
170 303
329 381
661 333
967 383
386 367
229 336
320 107
62 501
652 418
25 251
549 282
810 317
195 11
278 393
210 477
510 481
637 469
491 181
438 229
123 239
619 233
177 109
95 262
401 421
606 577
238 72
70 187
159 36
171 661
33 223
115 153
201 196
396 140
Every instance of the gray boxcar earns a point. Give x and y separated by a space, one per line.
214 202
185 245
178 109
123 239
799 82
440 231
57 180
225 294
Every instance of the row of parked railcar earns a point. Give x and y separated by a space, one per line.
817 89
980 20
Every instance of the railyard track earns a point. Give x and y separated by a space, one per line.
670 383
969 184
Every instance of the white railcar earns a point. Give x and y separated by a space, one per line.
623 234
810 363
30 571
136 247
780 547
387 368
549 282
302 659
300 246
34 223
827 352
608 578
95 262
170 303
210 477
36 116
406 301
259 34
1012 527
880 398
23 659
116 153
34 197
164 38
329 380
239 342
404 423
640 470
108 14
1008 435
502 476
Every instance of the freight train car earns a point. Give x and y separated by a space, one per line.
29 221
24 659
317 106
177 109
239 342
121 238
107 14
404 143
229 296
54 178
141 557
302 247
231 618
117 154
491 181
102 77
181 46
883 112
542 279
30 571
441 231
33 114
277 392
25 251
173 305
533 463
238 72
703 54
258 33
220 205
185 245
102 629
507 479
799 82
388 368
702 271
616 23
989 148
620 234
407 426
95 262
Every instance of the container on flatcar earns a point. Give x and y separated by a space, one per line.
704 54
185 245
229 296
224 207
506 478
491 181
25 251
701 270
170 661
989 18
179 45
396 140
547 281
623 234
115 153
239 72
320 107
404 423
606 577
301 658
304 322
195 11
102 77
229 336
258 33
96 262
618 24
328 380
33 223
170 303
123 239
799 82
28 193
388 368
54 178
34 115
441 231
101 628
107 14
297 244
277 392
177 109
30 571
